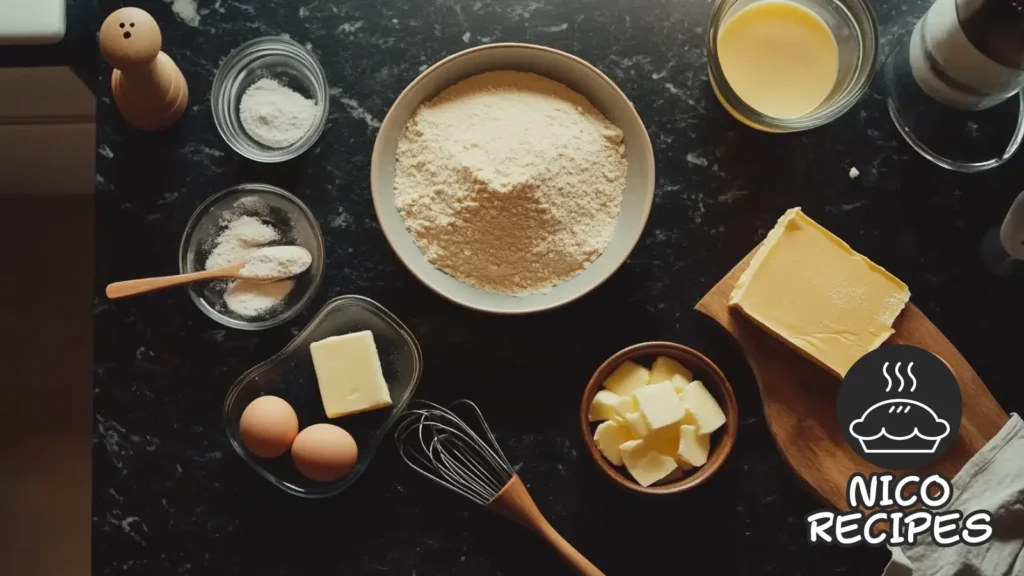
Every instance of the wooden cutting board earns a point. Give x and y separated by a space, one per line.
800 397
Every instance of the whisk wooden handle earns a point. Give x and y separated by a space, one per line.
515 503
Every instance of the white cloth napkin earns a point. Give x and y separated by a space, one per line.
992 480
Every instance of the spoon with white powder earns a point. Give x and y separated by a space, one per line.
262 265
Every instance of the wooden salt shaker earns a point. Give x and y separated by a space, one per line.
149 89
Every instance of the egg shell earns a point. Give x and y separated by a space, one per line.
324 452
268 426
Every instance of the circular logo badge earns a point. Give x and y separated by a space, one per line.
899 407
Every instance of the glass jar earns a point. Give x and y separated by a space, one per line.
854 27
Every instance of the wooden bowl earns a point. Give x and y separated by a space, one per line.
722 440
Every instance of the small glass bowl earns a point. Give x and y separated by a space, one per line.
855 28
274 57
289 374
276 207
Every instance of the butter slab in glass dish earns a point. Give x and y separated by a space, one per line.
290 375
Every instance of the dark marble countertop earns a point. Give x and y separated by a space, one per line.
172 497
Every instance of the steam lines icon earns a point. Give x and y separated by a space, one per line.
899 425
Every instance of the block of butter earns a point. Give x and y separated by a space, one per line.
349 374
811 290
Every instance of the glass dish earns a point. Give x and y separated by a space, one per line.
855 29
280 209
289 374
275 57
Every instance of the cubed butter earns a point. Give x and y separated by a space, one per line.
666 369
608 437
349 374
637 424
664 441
646 465
659 404
819 296
701 408
693 447
627 377
603 406
674 475
624 405
679 383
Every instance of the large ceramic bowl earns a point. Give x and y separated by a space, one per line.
560 67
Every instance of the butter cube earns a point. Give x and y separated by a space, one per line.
603 406
349 375
693 447
664 441
646 466
609 436
679 383
701 407
625 405
627 377
659 404
674 475
637 424
666 369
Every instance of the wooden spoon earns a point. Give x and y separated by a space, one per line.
143 285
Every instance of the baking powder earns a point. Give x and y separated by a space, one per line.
273 262
510 182
275 115
250 299
242 235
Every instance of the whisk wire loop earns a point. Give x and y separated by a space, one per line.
435 442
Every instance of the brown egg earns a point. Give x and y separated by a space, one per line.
268 426
324 452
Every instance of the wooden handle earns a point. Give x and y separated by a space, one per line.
515 504
143 285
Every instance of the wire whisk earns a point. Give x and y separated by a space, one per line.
435 442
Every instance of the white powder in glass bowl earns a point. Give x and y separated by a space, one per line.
242 236
275 115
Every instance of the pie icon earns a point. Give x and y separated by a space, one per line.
899 426
905 418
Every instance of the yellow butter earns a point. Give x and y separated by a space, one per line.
624 405
702 410
664 441
676 474
666 369
609 437
349 374
627 377
659 404
603 406
637 424
679 383
818 295
646 465
693 447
